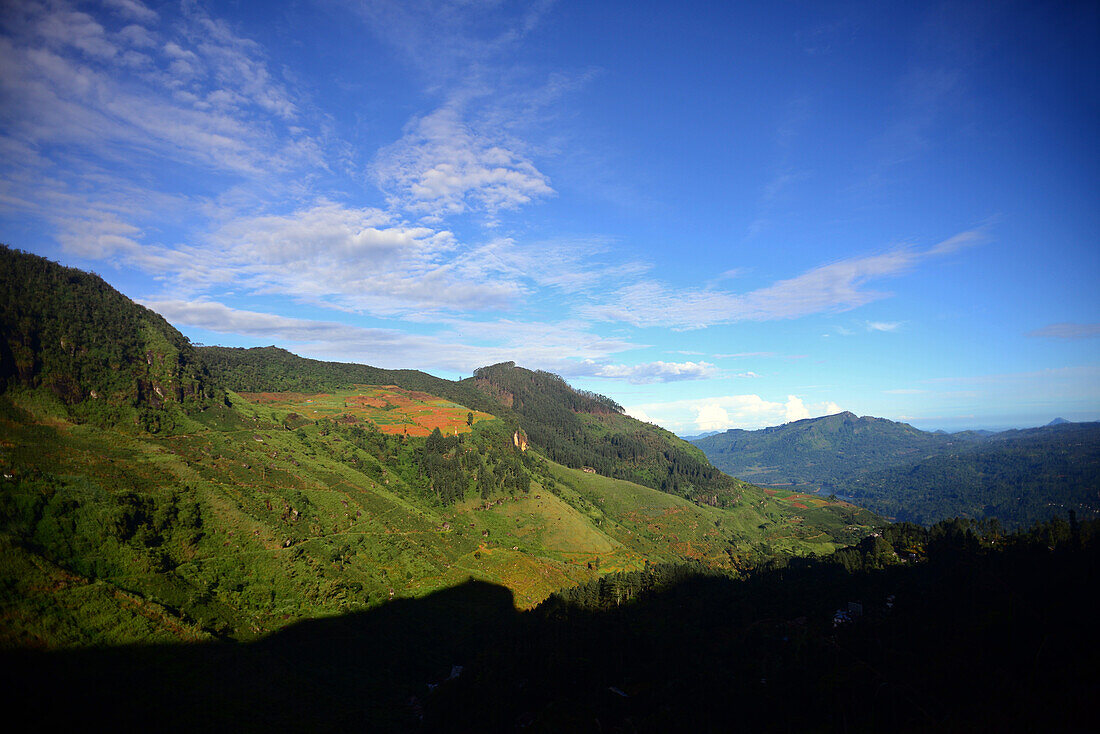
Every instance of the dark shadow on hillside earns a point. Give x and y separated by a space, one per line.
342 673
968 639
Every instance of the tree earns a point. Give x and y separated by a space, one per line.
470 419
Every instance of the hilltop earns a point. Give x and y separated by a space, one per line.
84 346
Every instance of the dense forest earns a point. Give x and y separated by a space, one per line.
1018 476
103 357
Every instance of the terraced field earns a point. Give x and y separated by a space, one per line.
394 410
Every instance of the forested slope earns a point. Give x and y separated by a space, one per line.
93 350
581 429
1019 477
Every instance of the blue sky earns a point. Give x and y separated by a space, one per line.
720 214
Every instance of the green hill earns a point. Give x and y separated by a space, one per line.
84 347
823 452
581 429
184 510
1018 476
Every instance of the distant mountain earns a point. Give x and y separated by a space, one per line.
1057 422
697 436
1018 476
819 451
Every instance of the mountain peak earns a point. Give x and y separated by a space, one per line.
1058 421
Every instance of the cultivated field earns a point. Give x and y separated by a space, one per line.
393 410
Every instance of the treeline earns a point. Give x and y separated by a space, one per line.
102 355
524 386
981 631
895 545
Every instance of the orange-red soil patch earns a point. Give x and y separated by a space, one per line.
282 397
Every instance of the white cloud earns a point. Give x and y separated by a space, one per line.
442 167
883 325
133 9
730 411
795 410
72 84
357 259
712 417
650 372
1067 331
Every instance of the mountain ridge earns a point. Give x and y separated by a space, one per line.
903 472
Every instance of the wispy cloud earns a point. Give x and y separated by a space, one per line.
132 9
650 372
835 287
448 41
883 325
190 94
558 348
102 117
1067 331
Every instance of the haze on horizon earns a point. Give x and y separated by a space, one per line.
718 216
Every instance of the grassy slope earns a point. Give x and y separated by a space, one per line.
236 526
